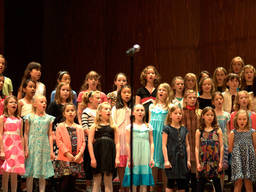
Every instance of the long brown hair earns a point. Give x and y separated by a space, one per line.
91 75
247 126
6 101
143 76
57 95
214 122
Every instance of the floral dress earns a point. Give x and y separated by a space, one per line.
209 153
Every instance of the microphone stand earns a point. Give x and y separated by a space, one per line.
131 119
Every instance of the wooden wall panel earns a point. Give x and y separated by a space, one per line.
1 26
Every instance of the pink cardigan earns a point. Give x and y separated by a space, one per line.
64 143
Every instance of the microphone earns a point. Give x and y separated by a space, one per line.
133 50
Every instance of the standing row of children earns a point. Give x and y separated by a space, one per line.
180 131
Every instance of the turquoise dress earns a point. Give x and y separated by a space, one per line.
39 164
157 119
142 173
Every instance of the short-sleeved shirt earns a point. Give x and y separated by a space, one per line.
7 88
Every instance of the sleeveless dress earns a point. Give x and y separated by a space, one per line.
104 150
142 173
38 163
13 149
243 165
209 153
176 151
157 120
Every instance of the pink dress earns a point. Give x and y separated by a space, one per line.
14 155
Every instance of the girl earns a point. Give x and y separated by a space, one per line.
149 79
71 144
178 89
236 65
203 74
158 112
176 150
247 77
219 77
38 144
32 71
64 76
91 83
91 100
206 89
242 145
7 89
143 151
62 97
209 149
119 81
25 104
242 101
11 137
191 122
103 147
190 82
223 119
121 117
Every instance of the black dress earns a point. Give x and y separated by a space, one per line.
146 99
204 103
104 150
176 150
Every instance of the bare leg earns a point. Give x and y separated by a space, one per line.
42 184
164 178
248 185
155 175
121 171
168 190
143 188
238 185
108 183
14 182
96 183
5 178
29 184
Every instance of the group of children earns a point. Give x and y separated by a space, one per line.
194 131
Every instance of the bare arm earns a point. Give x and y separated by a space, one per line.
254 140
90 147
80 108
117 161
167 163
26 137
128 146
188 151
20 105
1 136
231 142
197 145
151 142
221 148
50 140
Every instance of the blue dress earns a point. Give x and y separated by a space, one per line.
39 164
157 119
142 173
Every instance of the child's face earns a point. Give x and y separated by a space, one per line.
66 78
30 89
191 99
218 101
41 104
207 86
233 84
92 83
35 74
70 113
120 81
126 94
190 83
12 105
64 92
151 75
139 112
248 75
2 65
176 116
95 100
237 67
162 93
208 117
179 85
243 100
1 82
105 112
242 120
220 77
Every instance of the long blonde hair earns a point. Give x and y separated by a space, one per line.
169 96
237 104
190 75
98 120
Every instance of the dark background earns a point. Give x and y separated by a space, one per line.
177 36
